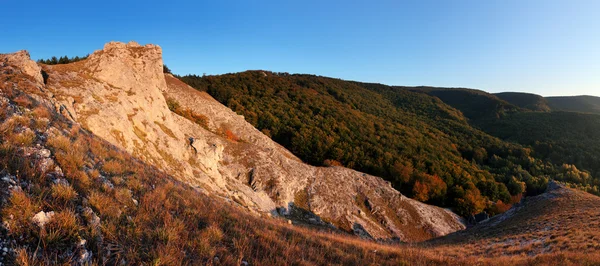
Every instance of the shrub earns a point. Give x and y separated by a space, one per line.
173 105
331 162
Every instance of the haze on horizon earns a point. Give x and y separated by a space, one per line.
544 47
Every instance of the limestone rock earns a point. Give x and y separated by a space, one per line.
42 218
120 94
22 60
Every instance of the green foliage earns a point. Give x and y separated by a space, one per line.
62 60
426 148
567 143
584 104
166 69
527 101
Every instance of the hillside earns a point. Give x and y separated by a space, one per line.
69 197
474 104
96 157
120 94
560 220
566 140
426 148
583 104
529 101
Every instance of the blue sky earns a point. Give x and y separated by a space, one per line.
546 47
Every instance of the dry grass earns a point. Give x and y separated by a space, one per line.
23 101
104 204
24 139
113 167
61 231
70 155
19 211
63 193
41 112
175 107
59 142
563 220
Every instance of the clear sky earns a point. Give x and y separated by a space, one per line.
547 47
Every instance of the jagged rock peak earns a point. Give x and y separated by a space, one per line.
128 65
22 60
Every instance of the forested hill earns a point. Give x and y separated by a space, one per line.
584 104
425 146
569 139
527 101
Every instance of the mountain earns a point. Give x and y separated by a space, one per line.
529 101
474 104
420 139
121 95
583 104
70 197
567 140
109 161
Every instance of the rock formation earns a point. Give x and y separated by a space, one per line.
120 94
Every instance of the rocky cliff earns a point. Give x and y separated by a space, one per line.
120 94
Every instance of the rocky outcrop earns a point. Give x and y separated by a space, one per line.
21 60
120 94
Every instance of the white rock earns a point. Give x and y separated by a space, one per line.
42 218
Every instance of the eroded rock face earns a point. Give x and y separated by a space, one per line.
120 94
22 60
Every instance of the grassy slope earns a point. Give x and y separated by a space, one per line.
561 220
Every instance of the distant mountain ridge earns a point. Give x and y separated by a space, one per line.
584 104
528 101
534 102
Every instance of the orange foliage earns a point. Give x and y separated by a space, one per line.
429 187
420 191
331 162
472 202
499 207
403 171
230 136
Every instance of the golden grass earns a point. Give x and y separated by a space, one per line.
41 112
25 138
105 205
63 192
61 231
113 167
